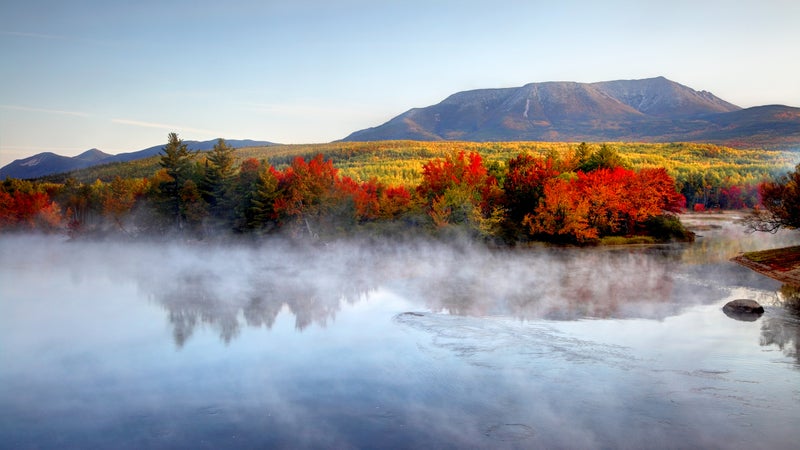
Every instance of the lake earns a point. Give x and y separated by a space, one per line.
388 345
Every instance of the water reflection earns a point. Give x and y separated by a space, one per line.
245 287
425 345
783 329
231 293
562 284
227 287
721 236
312 284
252 287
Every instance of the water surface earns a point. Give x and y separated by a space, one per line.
421 345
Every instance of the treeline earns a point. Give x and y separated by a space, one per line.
709 176
580 196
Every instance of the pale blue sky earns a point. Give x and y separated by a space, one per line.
120 75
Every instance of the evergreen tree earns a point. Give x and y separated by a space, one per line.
245 185
175 160
217 181
582 153
604 158
262 212
193 207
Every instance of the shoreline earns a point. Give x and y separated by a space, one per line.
782 264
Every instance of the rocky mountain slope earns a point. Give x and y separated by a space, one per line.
649 110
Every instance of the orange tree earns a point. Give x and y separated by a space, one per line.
458 190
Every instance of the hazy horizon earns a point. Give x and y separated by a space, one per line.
119 78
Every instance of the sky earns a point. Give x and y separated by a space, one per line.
121 75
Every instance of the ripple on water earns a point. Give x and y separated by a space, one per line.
210 410
480 341
510 432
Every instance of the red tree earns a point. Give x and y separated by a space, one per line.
524 184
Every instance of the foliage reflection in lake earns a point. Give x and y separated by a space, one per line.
424 344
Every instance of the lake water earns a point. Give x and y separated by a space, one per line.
420 345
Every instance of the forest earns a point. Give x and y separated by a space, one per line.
499 192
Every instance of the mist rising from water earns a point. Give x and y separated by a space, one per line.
226 286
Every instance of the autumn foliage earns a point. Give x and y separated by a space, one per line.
458 190
603 202
28 210
564 198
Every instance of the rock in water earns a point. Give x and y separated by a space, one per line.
743 309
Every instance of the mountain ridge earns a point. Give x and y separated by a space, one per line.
49 163
644 110
648 110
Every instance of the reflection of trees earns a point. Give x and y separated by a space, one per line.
191 300
256 285
562 284
722 240
202 298
783 330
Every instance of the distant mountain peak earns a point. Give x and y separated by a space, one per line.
92 155
651 109
661 97
48 163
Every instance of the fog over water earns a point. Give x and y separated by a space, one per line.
355 344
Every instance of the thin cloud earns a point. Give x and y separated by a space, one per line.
55 37
164 126
45 110
33 35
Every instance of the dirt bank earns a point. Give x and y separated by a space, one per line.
782 264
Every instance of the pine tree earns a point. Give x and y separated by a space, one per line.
218 181
175 159
604 158
262 212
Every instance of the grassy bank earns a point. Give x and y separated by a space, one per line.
782 264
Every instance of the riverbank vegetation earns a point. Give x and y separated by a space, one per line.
782 264
501 192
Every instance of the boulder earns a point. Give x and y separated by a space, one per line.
743 309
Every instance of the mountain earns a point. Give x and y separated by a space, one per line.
193 146
650 110
660 97
48 163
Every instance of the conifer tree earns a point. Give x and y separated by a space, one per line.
262 212
604 158
175 160
218 181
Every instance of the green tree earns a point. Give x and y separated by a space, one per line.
262 215
245 186
193 207
582 153
176 162
604 158
217 182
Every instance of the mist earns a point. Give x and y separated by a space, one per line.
412 343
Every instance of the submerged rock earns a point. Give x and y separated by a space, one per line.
743 309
